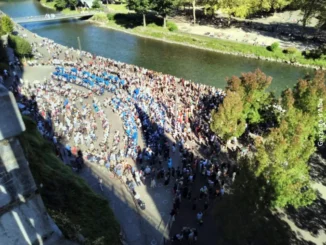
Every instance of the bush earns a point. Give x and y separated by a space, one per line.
111 16
153 25
96 4
101 17
171 26
290 50
7 26
20 45
273 47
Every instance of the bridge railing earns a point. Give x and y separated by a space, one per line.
50 16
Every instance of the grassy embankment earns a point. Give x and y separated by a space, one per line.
132 23
71 203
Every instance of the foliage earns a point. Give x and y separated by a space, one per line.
22 48
172 26
228 120
73 3
66 193
100 17
310 97
282 160
69 229
96 4
274 46
251 88
60 4
7 26
110 16
290 50
140 7
310 9
163 7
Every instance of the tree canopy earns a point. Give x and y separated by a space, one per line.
7 26
228 120
140 6
281 155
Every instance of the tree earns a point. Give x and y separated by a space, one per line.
310 9
164 8
280 4
251 88
60 4
140 7
194 10
22 48
74 3
310 97
239 8
7 26
282 160
228 120
96 4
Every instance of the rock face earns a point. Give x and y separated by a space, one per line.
23 217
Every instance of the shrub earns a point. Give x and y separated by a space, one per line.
7 26
153 25
100 17
273 47
20 45
290 50
96 4
171 26
111 16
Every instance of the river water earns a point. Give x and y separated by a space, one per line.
197 65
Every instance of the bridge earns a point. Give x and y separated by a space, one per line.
51 17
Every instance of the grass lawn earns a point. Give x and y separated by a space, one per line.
48 4
119 8
70 201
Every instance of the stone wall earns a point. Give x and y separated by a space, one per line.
23 217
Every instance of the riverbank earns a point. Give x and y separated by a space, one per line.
212 44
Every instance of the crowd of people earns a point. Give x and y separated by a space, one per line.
72 106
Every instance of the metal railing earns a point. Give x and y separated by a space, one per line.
50 17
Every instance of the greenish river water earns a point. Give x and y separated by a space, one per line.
197 65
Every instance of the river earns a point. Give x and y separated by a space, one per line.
197 65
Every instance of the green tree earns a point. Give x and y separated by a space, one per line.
238 8
60 4
164 8
96 4
310 97
74 3
22 48
251 88
7 26
282 159
141 7
280 4
228 120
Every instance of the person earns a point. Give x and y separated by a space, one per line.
100 181
153 183
200 217
178 237
137 178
